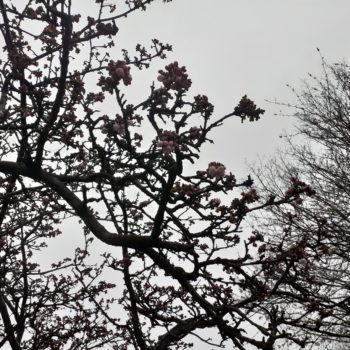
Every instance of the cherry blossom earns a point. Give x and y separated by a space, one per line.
120 71
216 170
175 77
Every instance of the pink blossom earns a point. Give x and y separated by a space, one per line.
174 77
167 146
120 71
119 125
216 170
250 197
215 202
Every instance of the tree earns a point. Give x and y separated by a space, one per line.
183 262
319 225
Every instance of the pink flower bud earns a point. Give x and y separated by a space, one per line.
119 73
215 202
167 146
216 170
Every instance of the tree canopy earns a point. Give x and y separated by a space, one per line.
184 260
318 226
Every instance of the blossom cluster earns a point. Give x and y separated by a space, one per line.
77 87
175 77
247 108
299 187
202 105
120 71
106 28
214 203
118 126
216 170
95 97
185 189
161 97
246 198
169 141
167 146
240 205
34 13
195 133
